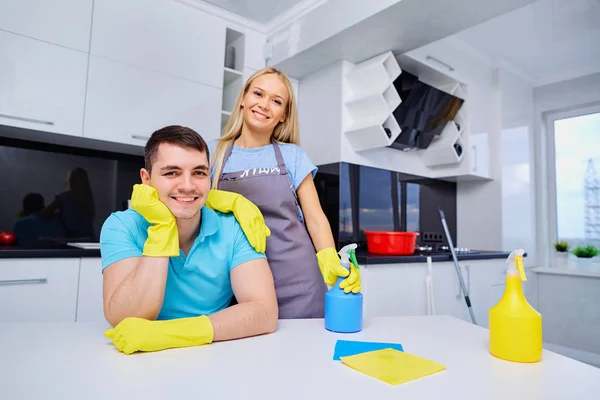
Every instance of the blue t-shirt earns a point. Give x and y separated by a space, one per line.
198 284
295 159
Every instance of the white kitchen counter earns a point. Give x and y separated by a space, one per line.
75 361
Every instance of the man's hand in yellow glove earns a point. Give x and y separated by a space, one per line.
246 213
138 334
163 237
331 269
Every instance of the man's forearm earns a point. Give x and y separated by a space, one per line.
243 320
141 293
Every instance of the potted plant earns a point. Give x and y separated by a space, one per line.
585 254
562 253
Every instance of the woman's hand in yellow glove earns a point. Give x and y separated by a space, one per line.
352 282
331 269
163 237
246 213
138 334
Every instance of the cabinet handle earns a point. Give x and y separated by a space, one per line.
140 137
34 281
474 148
450 68
35 121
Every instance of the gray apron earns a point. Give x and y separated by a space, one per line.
298 281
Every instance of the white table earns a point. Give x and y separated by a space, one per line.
75 361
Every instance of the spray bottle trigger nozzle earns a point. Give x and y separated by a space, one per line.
521 268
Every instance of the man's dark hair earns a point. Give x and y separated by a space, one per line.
173 134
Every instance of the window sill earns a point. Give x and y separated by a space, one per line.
590 269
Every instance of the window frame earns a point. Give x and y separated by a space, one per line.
550 161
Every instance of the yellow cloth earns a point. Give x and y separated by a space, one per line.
246 213
138 334
331 269
392 366
163 237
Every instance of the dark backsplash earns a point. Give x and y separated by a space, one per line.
357 198
39 168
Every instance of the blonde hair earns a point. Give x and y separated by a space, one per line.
284 132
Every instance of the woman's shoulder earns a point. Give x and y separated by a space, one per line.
291 149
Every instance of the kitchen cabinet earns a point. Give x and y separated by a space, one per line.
63 22
393 290
126 104
42 86
90 306
254 52
487 282
479 155
400 289
160 35
38 290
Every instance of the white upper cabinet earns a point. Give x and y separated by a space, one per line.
160 35
63 22
42 86
126 104
254 57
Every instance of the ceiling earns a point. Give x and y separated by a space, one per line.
545 42
261 11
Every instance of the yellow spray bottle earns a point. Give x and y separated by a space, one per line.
515 326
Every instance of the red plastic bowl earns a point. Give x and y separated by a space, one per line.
392 243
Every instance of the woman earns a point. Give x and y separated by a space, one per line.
258 157
75 207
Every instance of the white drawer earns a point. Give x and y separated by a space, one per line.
90 307
38 290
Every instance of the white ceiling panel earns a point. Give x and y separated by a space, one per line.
261 11
546 40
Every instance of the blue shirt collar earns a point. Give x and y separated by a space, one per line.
209 224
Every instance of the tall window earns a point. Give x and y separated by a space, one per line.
577 177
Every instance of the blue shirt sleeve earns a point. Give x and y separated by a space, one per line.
242 250
117 241
303 166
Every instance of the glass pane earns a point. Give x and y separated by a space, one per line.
346 228
412 207
577 155
375 212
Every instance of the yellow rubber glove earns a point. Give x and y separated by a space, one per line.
246 213
163 237
329 263
352 283
138 334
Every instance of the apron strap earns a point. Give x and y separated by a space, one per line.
278 155
282 168
225 158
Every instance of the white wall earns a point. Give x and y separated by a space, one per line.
517 165
570 315
561 96
320 114
479 204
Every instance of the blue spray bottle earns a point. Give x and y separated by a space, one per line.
343 311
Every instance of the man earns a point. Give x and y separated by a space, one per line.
170 258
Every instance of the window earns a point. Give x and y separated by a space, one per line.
575 204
